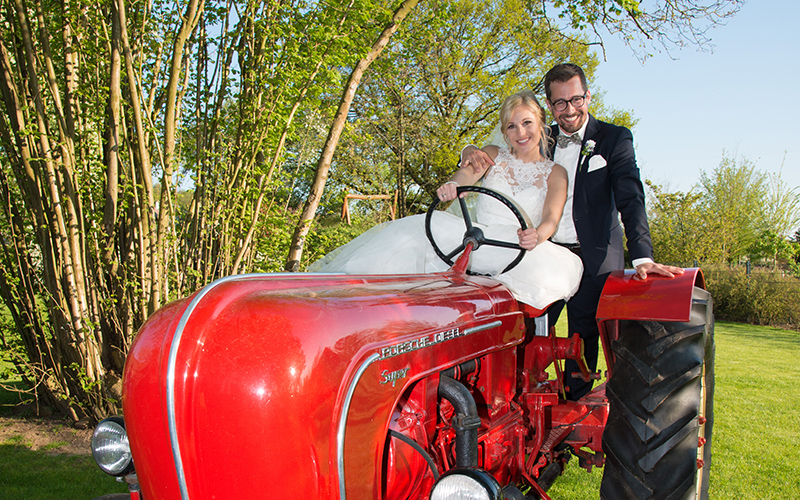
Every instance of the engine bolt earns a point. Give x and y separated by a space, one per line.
701 441
701 419
700 463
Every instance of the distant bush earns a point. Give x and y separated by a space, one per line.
762 297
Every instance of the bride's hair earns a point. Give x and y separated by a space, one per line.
525 98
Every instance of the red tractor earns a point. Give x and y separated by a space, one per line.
405 387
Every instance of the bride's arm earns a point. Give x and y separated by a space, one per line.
553 202
551 211
464 176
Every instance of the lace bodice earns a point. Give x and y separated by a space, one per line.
525 183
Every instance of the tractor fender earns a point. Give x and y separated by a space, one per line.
658 298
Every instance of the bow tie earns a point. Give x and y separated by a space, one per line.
564 140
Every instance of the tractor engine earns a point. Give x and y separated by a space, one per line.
491 413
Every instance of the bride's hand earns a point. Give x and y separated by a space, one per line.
447 191
528 238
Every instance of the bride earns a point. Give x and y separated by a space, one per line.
522 173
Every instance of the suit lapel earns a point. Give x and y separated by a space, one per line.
551 153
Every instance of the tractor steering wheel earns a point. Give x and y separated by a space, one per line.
474 234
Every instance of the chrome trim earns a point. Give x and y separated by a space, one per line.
487 326
540 326
173 355
343 421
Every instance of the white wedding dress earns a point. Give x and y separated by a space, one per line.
546 274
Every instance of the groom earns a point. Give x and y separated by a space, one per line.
604 187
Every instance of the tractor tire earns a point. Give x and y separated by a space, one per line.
657 438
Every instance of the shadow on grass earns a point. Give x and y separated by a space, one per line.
14 402
43 475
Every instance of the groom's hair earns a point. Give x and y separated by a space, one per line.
563 73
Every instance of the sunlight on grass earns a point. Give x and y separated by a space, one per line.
757 412
10 384
757 420
576 483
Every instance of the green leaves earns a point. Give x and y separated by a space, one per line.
257 86
438 86
736 212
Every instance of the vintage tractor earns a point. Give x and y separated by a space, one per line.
395 387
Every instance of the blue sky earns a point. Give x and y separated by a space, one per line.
742 98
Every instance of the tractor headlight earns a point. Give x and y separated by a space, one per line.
110 447
467 484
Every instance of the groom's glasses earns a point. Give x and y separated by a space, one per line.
577 102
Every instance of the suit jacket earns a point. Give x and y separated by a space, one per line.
607 185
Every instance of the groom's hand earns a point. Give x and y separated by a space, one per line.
476 158
642 270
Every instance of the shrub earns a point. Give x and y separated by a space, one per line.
760 297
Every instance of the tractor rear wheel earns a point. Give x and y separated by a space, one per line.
657 439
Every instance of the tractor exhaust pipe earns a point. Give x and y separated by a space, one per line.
465 422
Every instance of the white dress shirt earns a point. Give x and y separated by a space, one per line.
568 158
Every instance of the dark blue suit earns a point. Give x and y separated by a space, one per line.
600 198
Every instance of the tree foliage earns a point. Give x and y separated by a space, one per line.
192 94
148 148
732 197
335 131
736 212
437 88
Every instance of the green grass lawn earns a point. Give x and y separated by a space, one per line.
755 445
756 442
45 474
757 410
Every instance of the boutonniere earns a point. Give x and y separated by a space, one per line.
588 149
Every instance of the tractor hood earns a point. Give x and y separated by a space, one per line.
261 386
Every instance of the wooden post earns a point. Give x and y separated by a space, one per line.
347 197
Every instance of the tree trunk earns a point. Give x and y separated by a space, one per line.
191 17
324 163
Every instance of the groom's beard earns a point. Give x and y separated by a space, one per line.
572 122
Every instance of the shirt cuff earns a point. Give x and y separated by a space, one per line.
644 260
